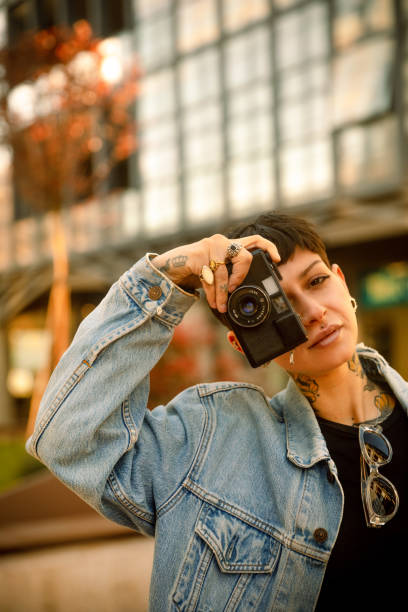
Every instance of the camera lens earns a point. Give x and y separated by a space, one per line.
248 306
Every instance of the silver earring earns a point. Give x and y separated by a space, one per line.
292 358
354 304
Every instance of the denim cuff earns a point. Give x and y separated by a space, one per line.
155 293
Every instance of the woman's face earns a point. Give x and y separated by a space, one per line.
320 296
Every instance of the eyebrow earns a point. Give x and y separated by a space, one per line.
309 267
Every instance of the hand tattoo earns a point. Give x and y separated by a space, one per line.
176 262
166 267
179 261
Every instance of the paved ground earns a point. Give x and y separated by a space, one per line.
105 576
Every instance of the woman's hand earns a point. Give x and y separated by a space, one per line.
184 265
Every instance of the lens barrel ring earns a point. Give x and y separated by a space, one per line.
249 306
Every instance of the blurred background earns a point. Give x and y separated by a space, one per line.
135 125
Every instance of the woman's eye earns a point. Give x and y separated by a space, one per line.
318 280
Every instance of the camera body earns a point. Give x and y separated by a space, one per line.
261 315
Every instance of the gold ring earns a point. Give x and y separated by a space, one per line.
207 275
215 264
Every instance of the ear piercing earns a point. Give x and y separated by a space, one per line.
354 304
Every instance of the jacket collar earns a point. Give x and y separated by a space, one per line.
306 445
377 368
304 440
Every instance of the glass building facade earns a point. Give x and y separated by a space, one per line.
243 107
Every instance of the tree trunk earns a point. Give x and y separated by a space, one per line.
58 318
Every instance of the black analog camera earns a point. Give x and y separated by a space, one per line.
261 315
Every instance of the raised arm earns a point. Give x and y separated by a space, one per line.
93 430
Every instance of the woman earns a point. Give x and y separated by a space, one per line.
255 503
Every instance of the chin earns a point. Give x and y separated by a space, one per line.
327 361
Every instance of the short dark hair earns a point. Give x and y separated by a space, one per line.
286 231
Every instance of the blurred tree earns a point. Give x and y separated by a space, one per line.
66 112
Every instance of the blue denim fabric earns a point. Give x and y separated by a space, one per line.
238 490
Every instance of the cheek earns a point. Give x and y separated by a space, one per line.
283 361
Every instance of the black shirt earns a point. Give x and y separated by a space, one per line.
368 565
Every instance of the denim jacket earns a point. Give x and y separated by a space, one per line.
238 490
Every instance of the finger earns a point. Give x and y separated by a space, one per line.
240 267
221 288
209 291
257 241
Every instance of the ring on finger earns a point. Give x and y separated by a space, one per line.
207 275
233 250
213 265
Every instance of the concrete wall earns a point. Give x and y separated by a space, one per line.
103 576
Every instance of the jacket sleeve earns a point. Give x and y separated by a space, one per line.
93 430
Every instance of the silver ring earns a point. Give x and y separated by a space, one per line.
233 250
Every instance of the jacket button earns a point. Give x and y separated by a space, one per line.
320 535
155 292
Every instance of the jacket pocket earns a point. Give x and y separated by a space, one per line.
228 565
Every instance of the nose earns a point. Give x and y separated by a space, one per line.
311 312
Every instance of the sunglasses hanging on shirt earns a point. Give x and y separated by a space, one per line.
379 496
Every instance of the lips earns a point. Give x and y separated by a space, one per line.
326 336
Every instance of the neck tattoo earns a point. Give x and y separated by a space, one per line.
383 401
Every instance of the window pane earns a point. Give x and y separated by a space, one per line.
249 136
202 149
202 136
354 19
316 30
290 49
369 154
247 58
301 82
306 117
361 81
302 35
154 135
130 212
306 171
143 8
197 23
3 27
157 96
204 197
283 4
158 163
203 118
237 13
251 186
155 42
198 77
158 156
252 100
161 209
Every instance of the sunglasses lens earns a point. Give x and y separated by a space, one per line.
383 498
376 447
